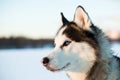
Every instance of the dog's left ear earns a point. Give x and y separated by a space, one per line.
81 18
64 20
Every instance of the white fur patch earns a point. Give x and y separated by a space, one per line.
75 54
60 38
77 76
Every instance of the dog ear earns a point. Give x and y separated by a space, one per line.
81 18
64 20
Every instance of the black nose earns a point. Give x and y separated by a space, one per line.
45 60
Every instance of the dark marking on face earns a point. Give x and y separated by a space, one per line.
78 34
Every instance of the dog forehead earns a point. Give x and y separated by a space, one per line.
60 37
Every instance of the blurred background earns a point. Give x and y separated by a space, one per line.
27 29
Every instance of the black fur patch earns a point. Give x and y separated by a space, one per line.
77 34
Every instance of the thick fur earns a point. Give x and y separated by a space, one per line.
82 50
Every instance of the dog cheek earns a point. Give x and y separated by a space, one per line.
73 49
69 49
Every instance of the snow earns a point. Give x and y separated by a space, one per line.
24 64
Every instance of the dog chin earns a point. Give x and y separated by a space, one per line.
53 69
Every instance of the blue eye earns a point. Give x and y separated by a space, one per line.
66 43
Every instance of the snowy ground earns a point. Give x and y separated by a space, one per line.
24 64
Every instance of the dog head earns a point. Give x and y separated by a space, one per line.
75 45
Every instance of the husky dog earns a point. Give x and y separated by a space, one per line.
82 51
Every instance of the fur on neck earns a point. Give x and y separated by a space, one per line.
101 66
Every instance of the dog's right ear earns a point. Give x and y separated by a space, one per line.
81 18
64 20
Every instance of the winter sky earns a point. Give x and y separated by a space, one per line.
41 18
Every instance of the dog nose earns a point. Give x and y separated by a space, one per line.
45 60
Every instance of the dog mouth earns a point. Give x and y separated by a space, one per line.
53 69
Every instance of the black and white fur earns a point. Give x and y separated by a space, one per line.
82 50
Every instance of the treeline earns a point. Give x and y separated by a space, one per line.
22 42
